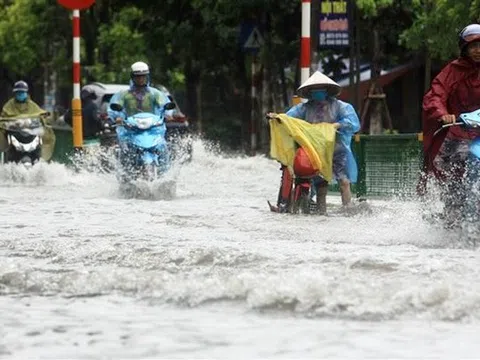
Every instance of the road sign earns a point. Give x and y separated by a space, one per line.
251 39
254 41
76 4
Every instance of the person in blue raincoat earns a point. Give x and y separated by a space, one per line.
141 97
323 106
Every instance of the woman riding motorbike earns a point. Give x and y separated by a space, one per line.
323 106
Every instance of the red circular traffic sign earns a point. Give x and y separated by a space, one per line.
76 4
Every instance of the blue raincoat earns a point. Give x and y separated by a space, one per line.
333 110
135 100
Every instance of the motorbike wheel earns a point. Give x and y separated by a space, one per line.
26 161
150 172
301 200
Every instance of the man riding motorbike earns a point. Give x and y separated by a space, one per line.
323 106
22 104
141 97
455 90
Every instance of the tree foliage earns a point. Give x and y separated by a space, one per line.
32 33
193 44
125 43
435 25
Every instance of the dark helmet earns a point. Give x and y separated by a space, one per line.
20 86
469 34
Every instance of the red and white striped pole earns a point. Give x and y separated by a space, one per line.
305 42
76 102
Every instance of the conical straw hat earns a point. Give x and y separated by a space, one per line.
319 81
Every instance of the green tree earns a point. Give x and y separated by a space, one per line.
31 35
436 23
125 43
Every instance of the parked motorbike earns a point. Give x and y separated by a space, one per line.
24 137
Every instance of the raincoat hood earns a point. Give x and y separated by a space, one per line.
319 81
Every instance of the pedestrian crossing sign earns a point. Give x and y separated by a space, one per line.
254 41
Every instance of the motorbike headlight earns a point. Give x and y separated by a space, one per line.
144 123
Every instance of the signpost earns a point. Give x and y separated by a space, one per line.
76 6
334 24
252 41
336 32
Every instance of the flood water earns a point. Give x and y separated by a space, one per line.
86 273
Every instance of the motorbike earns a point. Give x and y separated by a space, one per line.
470 212
142 152
299 199
177 135
24 137
179 139
296 190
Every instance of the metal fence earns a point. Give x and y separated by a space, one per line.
389 165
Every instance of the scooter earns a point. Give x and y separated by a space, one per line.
24 137
470 224
142 148
295 192
296 200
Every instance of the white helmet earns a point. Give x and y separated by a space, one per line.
139 68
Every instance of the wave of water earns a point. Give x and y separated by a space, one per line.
68 238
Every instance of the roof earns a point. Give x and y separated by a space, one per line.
101 88
386 76
107 88
344 71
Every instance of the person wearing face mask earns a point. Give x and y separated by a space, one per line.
455 90
323 106
21 104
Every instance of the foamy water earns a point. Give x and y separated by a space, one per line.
85 273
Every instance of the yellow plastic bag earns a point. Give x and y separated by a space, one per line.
318 141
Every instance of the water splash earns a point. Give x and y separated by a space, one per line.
216 249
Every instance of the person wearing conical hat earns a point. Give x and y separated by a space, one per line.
323 106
